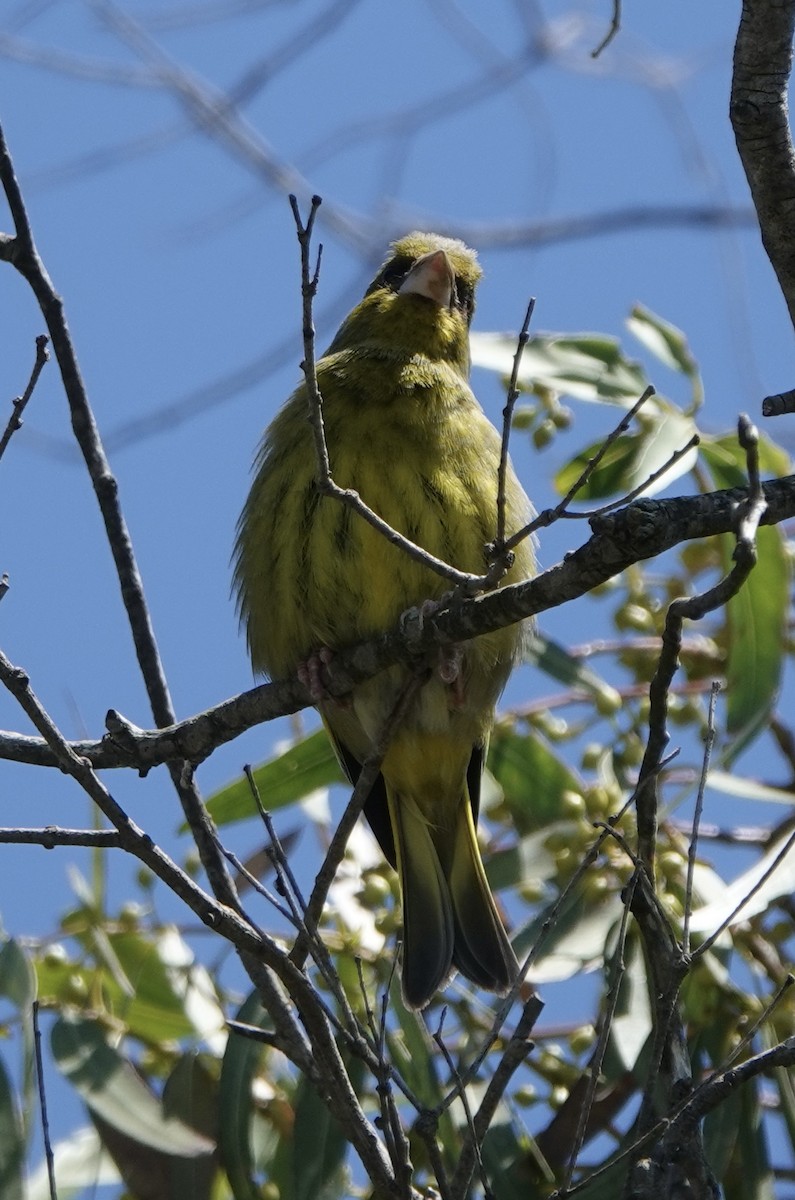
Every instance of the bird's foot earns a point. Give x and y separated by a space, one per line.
450 658
311 674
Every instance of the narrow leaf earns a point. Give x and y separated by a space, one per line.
531 776
112 1089
664 341
240 1064
283 780
12 1141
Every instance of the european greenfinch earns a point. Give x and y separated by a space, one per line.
404 430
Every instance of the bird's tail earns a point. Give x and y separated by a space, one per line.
450 919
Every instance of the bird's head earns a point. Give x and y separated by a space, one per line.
420 302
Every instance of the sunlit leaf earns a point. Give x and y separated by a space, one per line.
663 340
632 459
113 1090
283 780
725 458
529 859
632 1018
574 942
781 882
586 366
748 789
81 1166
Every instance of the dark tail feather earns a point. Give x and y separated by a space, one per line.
449 915
482 951
428 924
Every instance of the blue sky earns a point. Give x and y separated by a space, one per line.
178 267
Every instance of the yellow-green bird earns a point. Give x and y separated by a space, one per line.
404 429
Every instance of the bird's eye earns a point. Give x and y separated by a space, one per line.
464 298
393 274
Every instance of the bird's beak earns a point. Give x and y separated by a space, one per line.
432 277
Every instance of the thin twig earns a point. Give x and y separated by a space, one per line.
589 514
19 405
45 1123
325 482
364 783
473 1139
549 515
512 1057
594 1067
615 25
507 421
692 852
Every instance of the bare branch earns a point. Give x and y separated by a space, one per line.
615 25
53 835
20 404
759 115
22 253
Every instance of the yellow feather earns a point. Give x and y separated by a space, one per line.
404 429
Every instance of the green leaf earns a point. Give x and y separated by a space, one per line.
505 1160
82 1166
173 996
557 662
191 1095
306 766
664 341
633 458
576 940
319 1145
414 1053
781 882
726 461
532 777
610 478
530 858
756 622
632 1018
19 983
756 617
17 975
115 1092
585 366
12 1141
749 1176
235 1104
